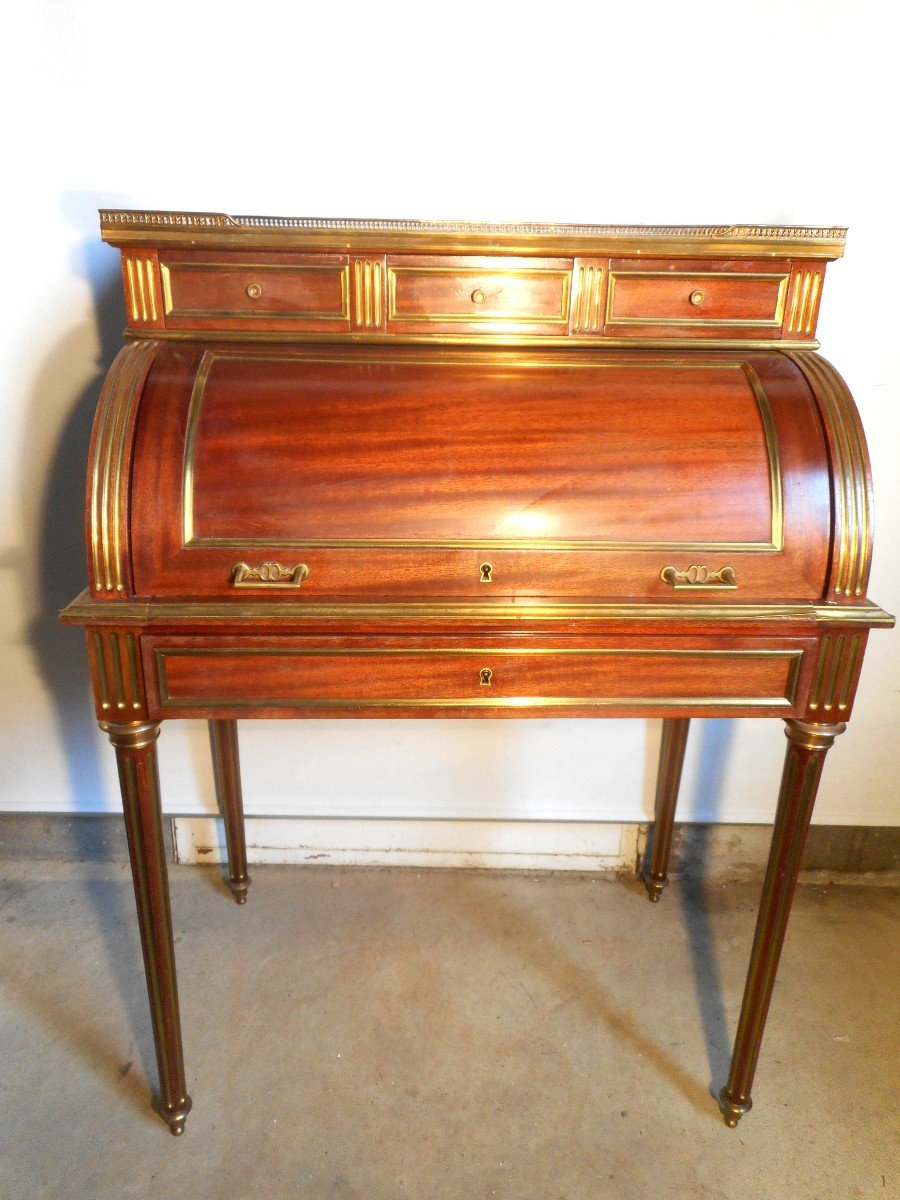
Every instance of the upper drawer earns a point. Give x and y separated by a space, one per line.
695 299
478 295
292 293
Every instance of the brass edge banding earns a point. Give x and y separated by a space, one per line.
190 540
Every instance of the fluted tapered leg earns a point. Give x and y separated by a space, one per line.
227 768
135 746
807 746
671 761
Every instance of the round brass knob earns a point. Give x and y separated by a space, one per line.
254 291
478 296
697 298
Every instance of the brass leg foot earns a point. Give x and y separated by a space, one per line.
227 769
671 761
239 888
176 1115
733 1110
654 886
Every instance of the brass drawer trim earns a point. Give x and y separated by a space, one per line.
774 322
479 316
793 658
260 270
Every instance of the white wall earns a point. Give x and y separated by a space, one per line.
769 112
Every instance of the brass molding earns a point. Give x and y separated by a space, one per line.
121 226
190 538
487 340
85 610
811 736
133 736
110 465
851 485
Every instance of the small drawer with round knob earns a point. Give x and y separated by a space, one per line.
677 299
252 291
468 295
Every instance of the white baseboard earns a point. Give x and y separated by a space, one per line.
523 845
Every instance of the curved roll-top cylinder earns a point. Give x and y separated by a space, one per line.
329 472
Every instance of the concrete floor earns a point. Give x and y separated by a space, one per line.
441 1035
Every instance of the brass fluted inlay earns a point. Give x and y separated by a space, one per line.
367 288
113 428
117 672
802 317
850 568
835 673
140 288
586 312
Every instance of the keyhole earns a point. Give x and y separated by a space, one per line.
486 569
485 676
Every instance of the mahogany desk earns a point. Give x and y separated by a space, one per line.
401 469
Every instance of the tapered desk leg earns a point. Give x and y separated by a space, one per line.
671 761
227 768
135 746
807 747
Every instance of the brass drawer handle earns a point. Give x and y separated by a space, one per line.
699 577
268 574
696 298
478 296
254 291
484 676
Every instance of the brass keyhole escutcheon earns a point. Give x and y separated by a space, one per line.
486 569
697 298
478 296
484 676
254 291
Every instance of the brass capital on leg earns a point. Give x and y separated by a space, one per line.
808 744
135 746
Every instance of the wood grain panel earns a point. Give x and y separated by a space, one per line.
403 473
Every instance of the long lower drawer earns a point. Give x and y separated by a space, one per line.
496 677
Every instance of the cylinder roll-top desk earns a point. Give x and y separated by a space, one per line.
411 469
